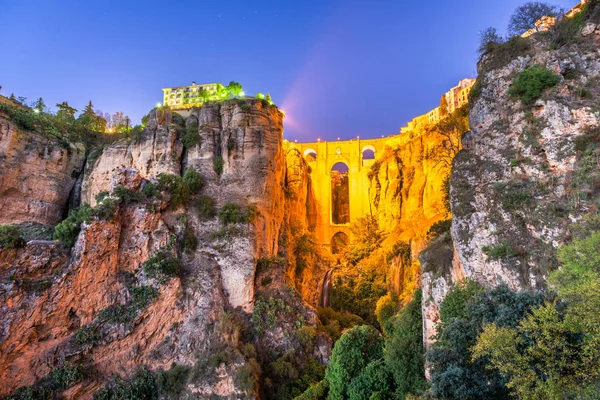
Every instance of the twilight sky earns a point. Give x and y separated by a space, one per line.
337 68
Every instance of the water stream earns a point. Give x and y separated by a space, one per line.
324 297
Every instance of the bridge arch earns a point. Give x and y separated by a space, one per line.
339 242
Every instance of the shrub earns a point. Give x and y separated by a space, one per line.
498 252
88 335
500 54
266 281
566 30
11 237
218 164
487 39
142 296
142 386
400 249
106 209
149 190
126 195
172 382
351 354
247 376
67 230
175 186
206 207
265 313
232 213
193 180
439 228
66 376
373 380
117 314
101 196
162 266
190 242
529 83
191 136
231 143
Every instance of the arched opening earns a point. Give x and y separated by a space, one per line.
339 242
340 194
368 153
310 152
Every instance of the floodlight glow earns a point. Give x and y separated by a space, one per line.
242 94
35 110
158 104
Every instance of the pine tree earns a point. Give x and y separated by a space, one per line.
65 111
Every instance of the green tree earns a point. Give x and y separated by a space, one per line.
234 89
65 112
39 105
385 309
454 374
542 358
374 379
403 350
488 38
526 17
351 354
90 120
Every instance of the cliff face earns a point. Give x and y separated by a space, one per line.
37 175
520 181
48 295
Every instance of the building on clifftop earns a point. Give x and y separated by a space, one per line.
183 97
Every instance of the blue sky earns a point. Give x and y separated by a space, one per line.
337 68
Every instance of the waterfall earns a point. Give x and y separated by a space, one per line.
324 297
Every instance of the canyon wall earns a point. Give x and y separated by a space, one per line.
37 174
520 181
51 294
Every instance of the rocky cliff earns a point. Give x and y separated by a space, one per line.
524 174
108 306
37 175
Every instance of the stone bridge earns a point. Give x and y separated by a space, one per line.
357 155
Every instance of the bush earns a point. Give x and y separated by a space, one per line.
126 195
66 376
11 237
142 296
385 309
149 190
190 242
529 83
499 251
351 354
232 213
172 382
142 386
206 207
67 230
106 209
162 266
175 186
373 380
439 228
118 314
193 180
487 39
88 335
218 165
191 136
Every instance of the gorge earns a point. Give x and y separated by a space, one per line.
205 256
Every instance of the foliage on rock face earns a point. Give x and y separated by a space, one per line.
454 374
162 266
351 354
334 322
191 137
531 82
193 180
67 230
142 386
457 300
173 381
385 309
232 213
367 238
56 381
175 186
206 207
11 237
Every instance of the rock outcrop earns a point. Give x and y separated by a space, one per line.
37 174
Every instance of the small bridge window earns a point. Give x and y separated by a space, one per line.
340 194
310 153
368 153
339 242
